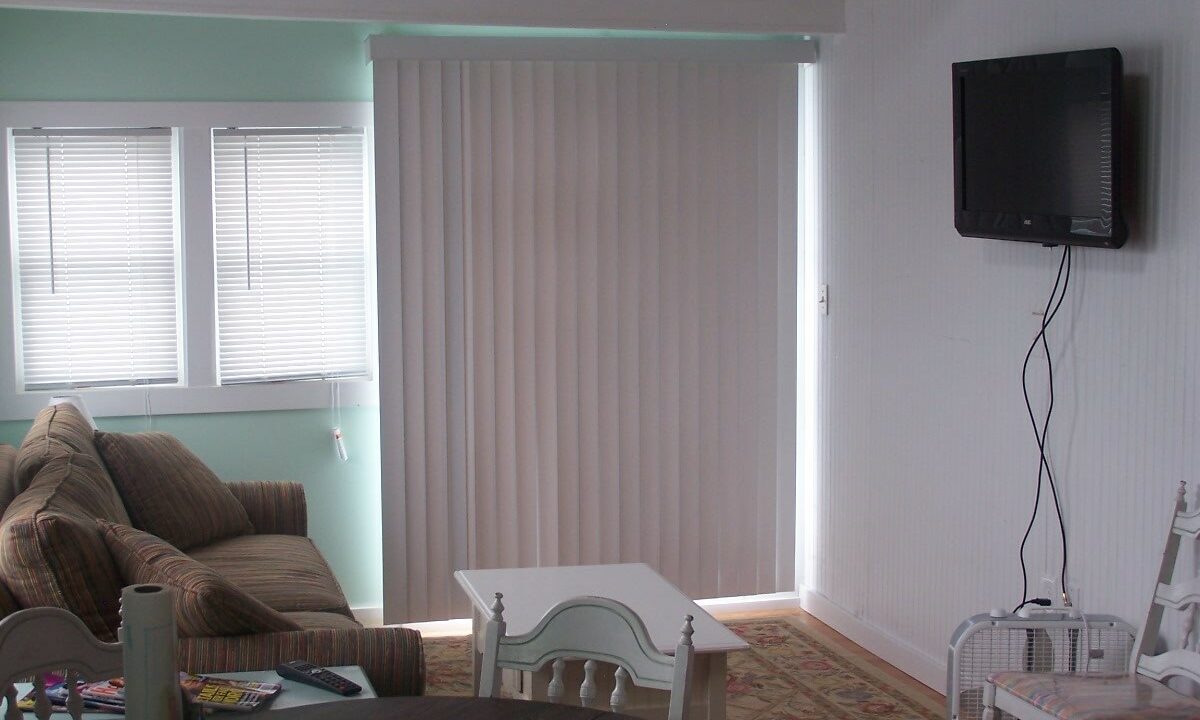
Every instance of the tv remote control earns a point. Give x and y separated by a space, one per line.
320 677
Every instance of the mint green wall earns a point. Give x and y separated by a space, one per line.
54 55
48 55
343 498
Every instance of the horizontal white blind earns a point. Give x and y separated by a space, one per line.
96 258
290 241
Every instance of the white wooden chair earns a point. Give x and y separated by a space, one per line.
44 640
595 630
1143 694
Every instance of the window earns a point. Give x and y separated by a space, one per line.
289 234
207 197
96 257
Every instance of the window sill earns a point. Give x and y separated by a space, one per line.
175 400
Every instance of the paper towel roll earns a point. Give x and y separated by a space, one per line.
147 636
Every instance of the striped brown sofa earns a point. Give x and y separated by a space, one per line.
62 510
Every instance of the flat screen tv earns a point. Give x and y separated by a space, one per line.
1037 148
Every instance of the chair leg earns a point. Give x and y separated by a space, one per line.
989 702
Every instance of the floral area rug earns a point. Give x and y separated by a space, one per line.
796 669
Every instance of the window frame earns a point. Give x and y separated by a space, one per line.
199 390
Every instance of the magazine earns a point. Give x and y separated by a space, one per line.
110 692
56 693
222 694
199 690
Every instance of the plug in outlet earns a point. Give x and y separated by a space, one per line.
1073 592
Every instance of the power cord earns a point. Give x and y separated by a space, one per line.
1057 294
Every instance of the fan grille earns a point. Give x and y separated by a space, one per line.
1063 646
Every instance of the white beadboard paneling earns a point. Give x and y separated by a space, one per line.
927 461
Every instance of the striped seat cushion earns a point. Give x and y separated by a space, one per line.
1098 697
392 657
286 572
52 552
170 492
205 603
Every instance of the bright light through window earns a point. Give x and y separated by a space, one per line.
96 258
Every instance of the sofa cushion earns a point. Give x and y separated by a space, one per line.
51 549
56 429
392 657
286 572
319 620
9 604
170 492
206 605
8 466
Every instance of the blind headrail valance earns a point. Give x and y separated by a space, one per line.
404 47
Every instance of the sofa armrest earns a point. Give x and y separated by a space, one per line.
392 657
275 508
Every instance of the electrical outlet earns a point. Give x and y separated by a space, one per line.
823 299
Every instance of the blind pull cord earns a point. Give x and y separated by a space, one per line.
50 217
246 203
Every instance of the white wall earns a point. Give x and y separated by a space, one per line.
927 459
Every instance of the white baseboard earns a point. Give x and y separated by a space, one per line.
751 603
898 653
372 616
368 615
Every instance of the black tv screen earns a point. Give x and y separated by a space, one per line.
1037 148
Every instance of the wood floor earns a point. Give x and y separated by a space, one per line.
842 643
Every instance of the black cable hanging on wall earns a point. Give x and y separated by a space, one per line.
1061 281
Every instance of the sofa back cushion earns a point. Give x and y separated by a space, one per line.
8 467
8 603
51 549
8 463
169 492
206 605
56 429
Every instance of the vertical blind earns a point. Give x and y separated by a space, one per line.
97 257
290 241
587 284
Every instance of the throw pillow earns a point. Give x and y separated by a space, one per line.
57 429
51 550
206 605
8 481
169 492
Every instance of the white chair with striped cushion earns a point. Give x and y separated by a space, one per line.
595 630
1140 696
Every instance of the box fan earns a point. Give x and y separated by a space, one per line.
1037 640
